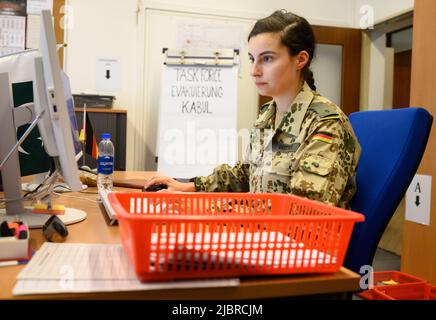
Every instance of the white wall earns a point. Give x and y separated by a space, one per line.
104 28
383 9
323 12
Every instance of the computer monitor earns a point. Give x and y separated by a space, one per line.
54 126
33 158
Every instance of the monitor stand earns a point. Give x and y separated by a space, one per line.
37 220
37 180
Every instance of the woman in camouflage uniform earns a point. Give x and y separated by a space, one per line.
301 143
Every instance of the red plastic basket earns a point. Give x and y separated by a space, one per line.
397 276
413 291
196 235
379 279
373 295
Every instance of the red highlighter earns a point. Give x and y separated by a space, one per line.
14 226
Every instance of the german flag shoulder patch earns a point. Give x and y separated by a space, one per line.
324 137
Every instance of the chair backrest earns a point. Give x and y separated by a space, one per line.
393 142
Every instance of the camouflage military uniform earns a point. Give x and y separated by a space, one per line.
312 153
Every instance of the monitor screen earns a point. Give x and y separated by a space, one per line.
72 116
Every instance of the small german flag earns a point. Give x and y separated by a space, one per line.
323 136
87 137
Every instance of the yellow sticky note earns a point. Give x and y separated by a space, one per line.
40 206
59 207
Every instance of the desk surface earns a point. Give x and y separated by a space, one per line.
95 230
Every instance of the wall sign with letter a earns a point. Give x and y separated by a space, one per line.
418 200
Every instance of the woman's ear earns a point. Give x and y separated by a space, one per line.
302 59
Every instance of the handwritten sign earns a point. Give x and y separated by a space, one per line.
197 119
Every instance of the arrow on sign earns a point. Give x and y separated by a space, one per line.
108 74
417 201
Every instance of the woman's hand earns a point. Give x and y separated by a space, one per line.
173 185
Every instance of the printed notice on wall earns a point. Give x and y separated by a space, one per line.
108 74
418 198
209 36
197 120
12 34
206 35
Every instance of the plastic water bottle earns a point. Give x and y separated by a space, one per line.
106 152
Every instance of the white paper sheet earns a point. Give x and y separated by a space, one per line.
271 249
75 267
197 119
207 35
26 287
35 6
12 34
108 74
418 200
210 36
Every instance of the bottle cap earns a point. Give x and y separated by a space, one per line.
106 135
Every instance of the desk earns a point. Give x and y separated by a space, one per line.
95 230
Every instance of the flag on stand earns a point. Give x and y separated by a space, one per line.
87 137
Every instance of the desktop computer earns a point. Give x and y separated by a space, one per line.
32 156
59 137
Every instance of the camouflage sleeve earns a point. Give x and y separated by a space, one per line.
225 179
327 163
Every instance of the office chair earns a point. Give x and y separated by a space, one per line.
393 143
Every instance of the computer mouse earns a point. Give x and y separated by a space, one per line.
156 187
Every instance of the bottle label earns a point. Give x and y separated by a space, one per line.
105 164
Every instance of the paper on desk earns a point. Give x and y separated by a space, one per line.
26 287
74 267
79 261
221 250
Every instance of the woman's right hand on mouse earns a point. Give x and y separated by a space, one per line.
172 184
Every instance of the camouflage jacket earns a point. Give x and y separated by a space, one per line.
312 153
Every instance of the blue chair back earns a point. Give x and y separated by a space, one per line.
393 142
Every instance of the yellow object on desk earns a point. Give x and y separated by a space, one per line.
44 209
